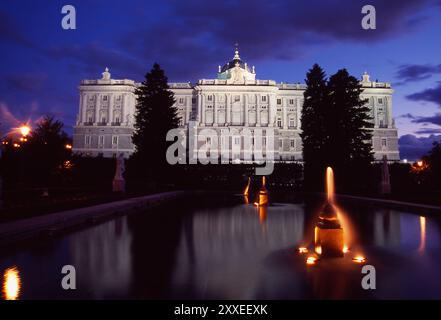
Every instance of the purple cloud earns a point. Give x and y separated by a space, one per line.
413 148
429 95
416 72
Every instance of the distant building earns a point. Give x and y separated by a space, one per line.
235 99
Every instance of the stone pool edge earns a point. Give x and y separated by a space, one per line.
50 223
395 204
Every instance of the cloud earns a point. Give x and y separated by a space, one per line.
428 131
413 148
435 119
26 81
415 72
93 56
190 38
429 95
10 31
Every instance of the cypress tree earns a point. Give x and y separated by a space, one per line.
155 115
349 124
314 136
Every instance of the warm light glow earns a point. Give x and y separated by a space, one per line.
345 249
16 145
68 146
247 188
330 184
420 163
303 250
25 130
311 260
11 284
422 234
318 249
359 259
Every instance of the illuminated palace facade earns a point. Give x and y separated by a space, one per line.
235 99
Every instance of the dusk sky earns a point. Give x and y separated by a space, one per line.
42 64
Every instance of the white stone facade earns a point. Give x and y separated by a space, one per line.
235 99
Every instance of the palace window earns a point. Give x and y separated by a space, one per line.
115 140
264 98
117 120
103 120
208 140
292 143
279 122
291 101
236 98
384 142
87 140
280 143
292 123
380 100
101 140
237 140
193 100
118 98
279 101
104 98
181 100
210 98
90 119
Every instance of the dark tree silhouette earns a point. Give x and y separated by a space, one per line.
155 116
349 124
314 135
336 131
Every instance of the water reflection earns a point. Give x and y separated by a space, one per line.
224 250
228 248
422 246
11 284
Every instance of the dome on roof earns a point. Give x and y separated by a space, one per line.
236 63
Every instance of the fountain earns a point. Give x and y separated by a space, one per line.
247 188
328 233
262 196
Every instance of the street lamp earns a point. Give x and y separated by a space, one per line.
24 130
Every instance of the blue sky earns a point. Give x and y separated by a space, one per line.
42 64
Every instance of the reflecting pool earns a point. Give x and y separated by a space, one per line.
224 248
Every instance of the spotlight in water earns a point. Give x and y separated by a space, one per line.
318 249
303 250
345 249
359 259
11 284
311 260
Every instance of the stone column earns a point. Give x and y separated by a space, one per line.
245 108
199 116
188 106
83 103
97 109
111 106
375 112
215 111
389 111
203 110
284 114
228 106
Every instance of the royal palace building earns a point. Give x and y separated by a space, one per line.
234 100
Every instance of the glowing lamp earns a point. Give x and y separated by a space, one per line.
359 259
311 260
345 249
303 250
25 130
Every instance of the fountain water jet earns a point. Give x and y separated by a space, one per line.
262 196
247 188
328 233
